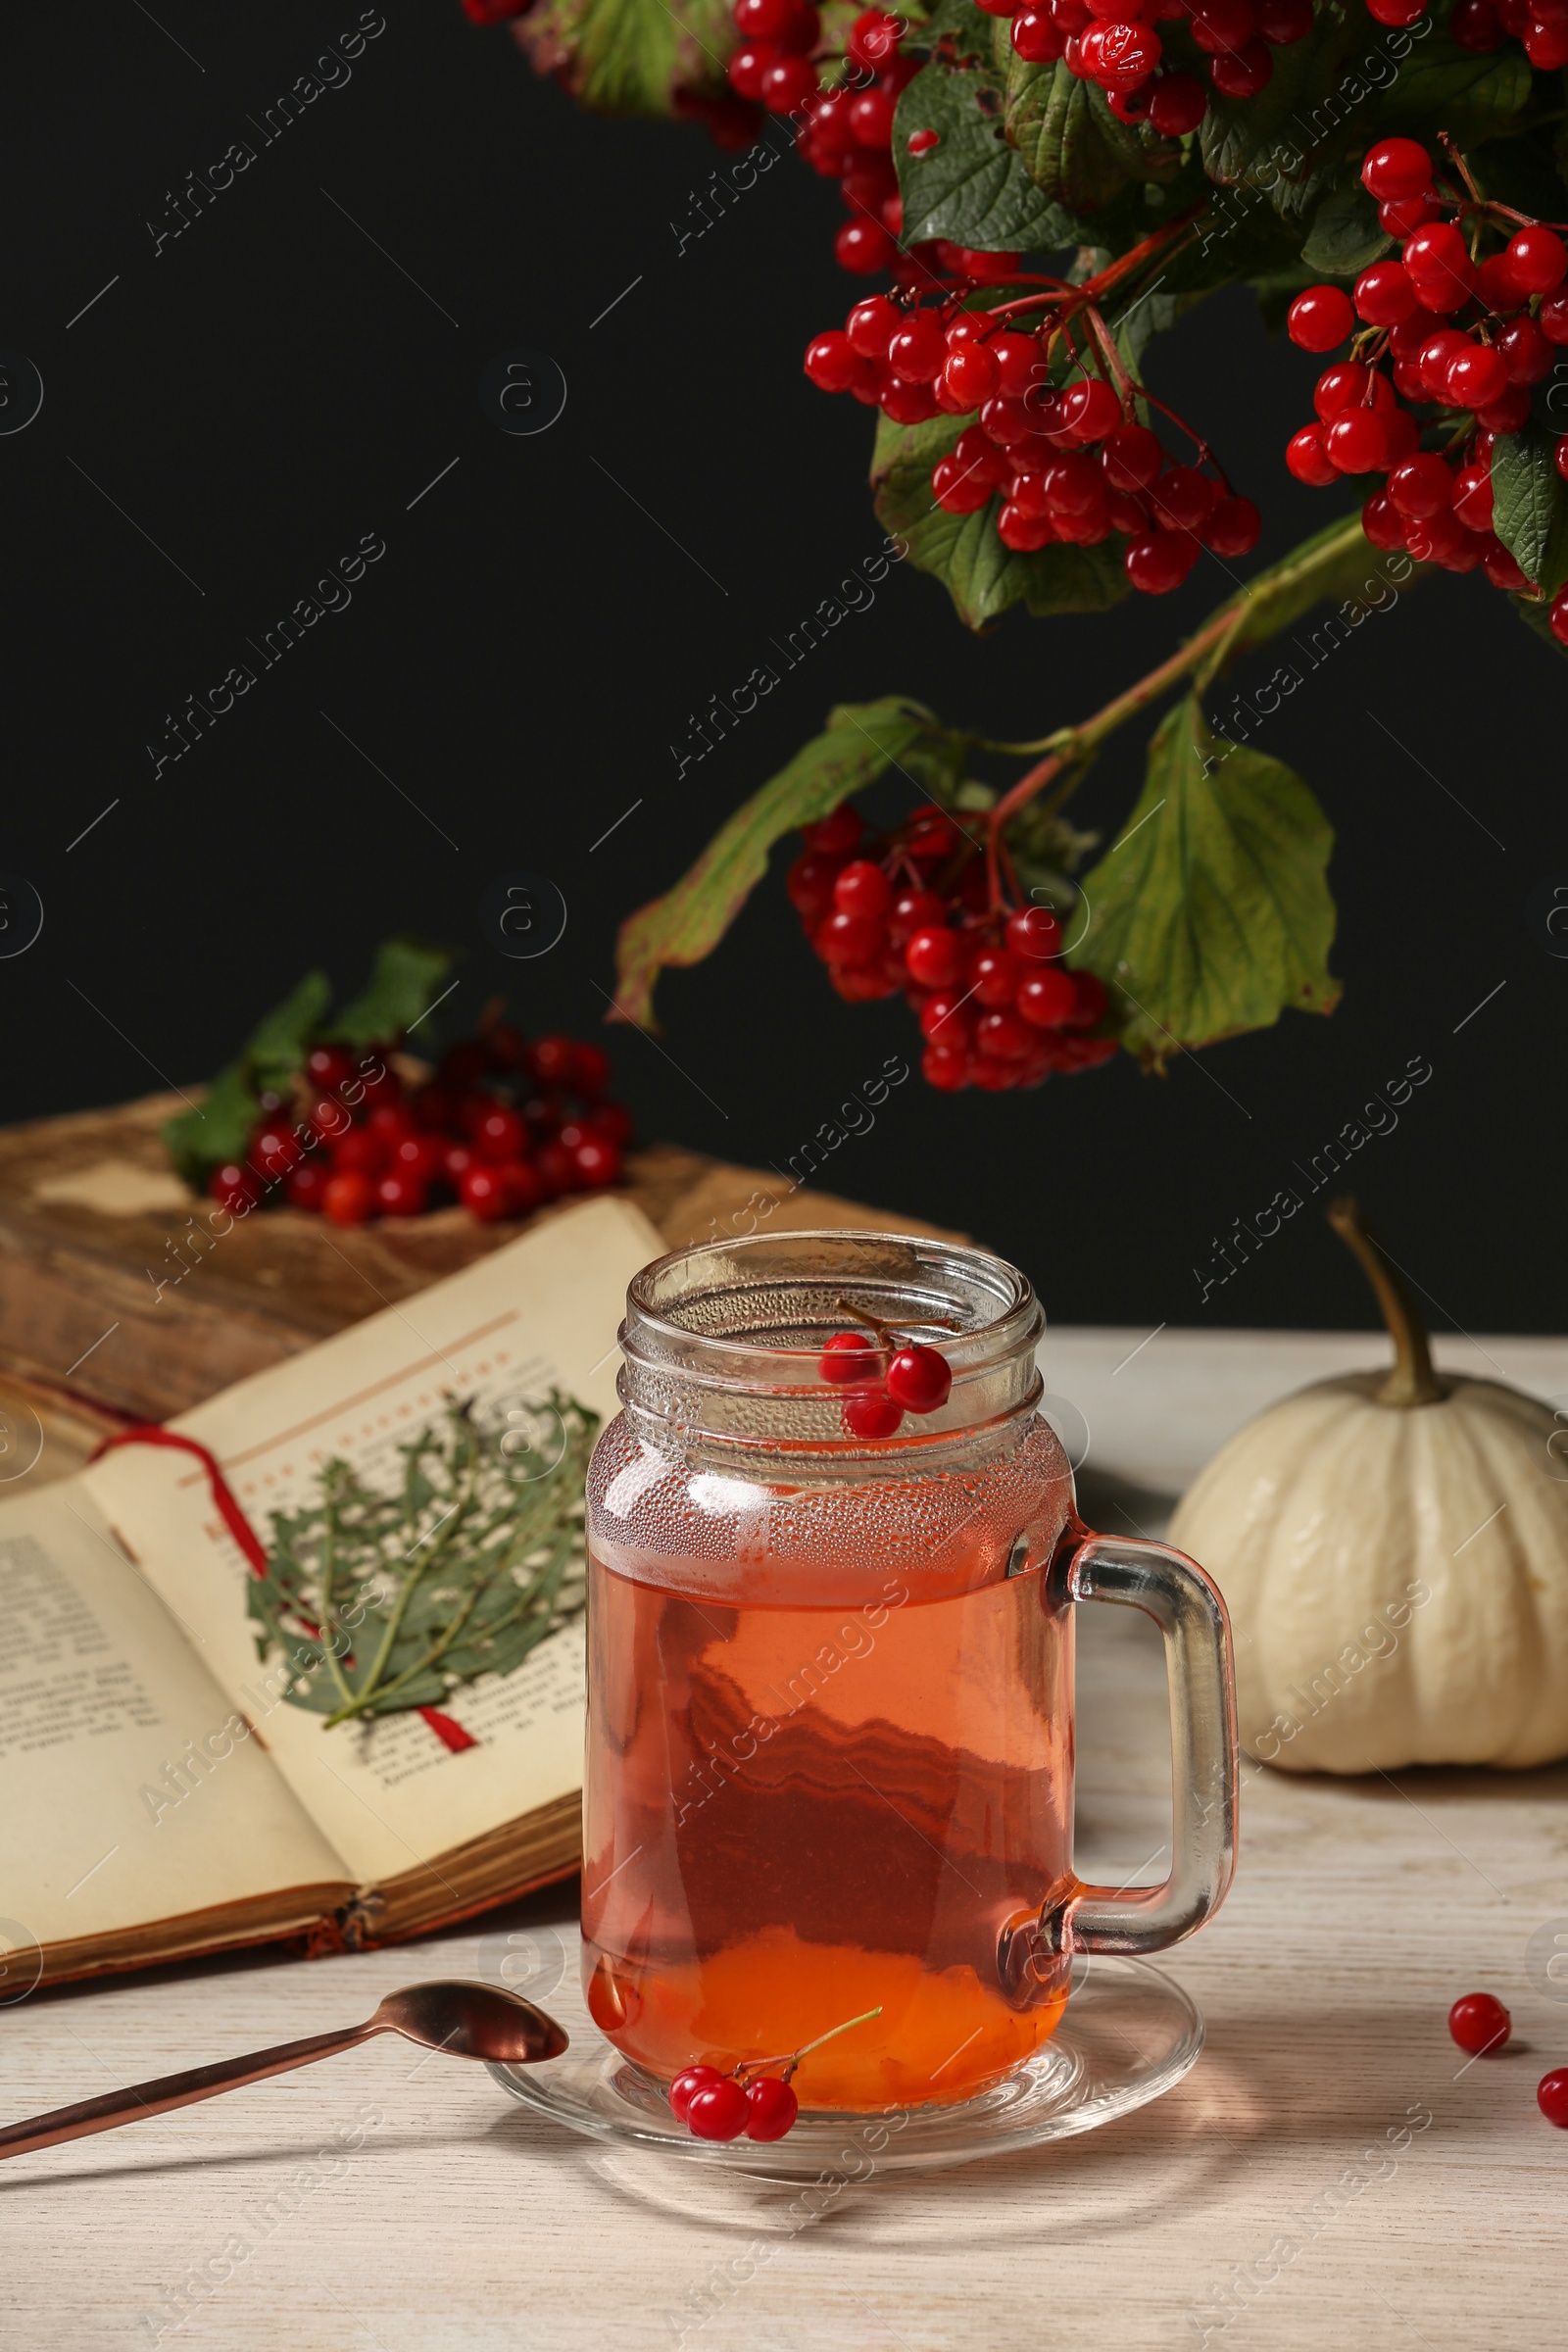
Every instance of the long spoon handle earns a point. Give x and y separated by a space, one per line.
143 2099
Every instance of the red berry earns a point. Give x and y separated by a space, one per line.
772 2108
1358 441
1386 293
1232 526
1037 37
718 2110
1383 522
861 246
871 119
553 1058
1242 72
945 1067
849 1355
1089 1001
787 84
1178 106
863 888
1551 2096
1397 168
500 1135
969 374
596 1160
687 2084
1420 486
1089 409
1121 56
1222 25
1546 44
348 1198
809 884
1478 2022
523 1185
556 1169
935 958
1557 617
1501 569
328 1067
1309 460
871 1413
959 488
1497 287
919 1379
421 1156
831 362
1320 319
484 1190
1508 413
1283 23
913 910
1473 26
359 1152
916 353
848 939
304 1185
1035 934
274 1148
1048 997
995 976
945 1017
399 1194
1002 1037
1476 376
1537 259
834 835
1131 457
1526 352
1161 562
1181 498
235 1186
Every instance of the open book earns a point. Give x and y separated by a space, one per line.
160 1796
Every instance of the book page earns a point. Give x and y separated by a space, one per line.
129 1789
544 1311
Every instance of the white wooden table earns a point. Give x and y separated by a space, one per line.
384 2200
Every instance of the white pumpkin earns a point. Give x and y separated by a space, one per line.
1394 1552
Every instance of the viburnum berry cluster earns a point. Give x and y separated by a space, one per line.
1118 44
1056 441
505 1124
716 2105
888 1375
1444 344
846 132
920 911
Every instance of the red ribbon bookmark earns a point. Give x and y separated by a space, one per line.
451 1734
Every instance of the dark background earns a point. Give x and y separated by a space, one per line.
272 385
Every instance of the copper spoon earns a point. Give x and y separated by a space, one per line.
466 2021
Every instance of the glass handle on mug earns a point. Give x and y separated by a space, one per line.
1188 1609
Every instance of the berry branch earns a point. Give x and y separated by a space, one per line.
1019 174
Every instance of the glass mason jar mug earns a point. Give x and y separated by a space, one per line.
830 1685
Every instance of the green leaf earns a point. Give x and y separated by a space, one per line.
220 1128
277 1044
405 980
1529 506
1288 141
382 1598
971 187
687 923
980 576
629 57
1471 97
201 1139
972 32
1212 914
1074 149
1345 235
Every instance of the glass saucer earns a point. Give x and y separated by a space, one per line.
1127 2036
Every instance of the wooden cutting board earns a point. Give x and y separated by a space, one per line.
93 1220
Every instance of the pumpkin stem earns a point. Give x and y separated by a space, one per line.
1412 1380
